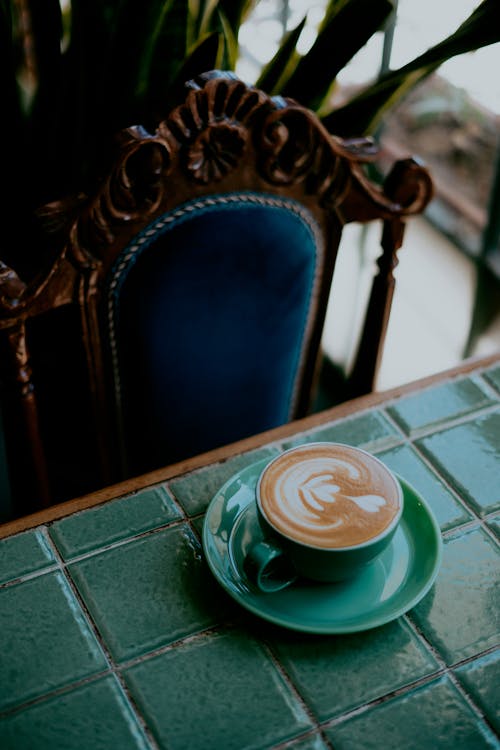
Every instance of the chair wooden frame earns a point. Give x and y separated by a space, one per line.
225 137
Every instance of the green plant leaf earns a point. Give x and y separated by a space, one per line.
230 55
45 54
206 55
163 51
346 28
236 12
365 111
206 20
8 76
281 66
139 40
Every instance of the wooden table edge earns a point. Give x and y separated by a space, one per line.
254 442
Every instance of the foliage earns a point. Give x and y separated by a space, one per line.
73 75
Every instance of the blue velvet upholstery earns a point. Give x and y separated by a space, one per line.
208 316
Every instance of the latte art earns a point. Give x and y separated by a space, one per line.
328 495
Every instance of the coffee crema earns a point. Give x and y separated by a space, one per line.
328 495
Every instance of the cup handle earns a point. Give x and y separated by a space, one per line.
268 567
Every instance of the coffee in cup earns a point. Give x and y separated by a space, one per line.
326 510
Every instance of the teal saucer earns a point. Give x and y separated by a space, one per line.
387 588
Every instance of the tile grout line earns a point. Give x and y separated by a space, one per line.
90 621
448 670
113 669
274 659
445 671
135 710
81 556
450 422
54 693
59 565
312 733
33 574
467 527
440 671
410 438
112 665
478 712
490 388
391 440
115 544
426 642
116 669
476 520
182 641
468 698
383 699
441 476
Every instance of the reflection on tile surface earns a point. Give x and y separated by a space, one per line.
460 626
95 716
311 742
407 463
370 431
234 693
195 490
493 377
338 674
494 524
111 522
172 591
130 643
439 403
469 456
435 716
23 554
46 641
481 678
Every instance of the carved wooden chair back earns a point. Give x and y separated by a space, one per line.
190 289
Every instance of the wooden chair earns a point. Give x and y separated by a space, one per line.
185 304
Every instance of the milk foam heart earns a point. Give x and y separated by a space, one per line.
329 495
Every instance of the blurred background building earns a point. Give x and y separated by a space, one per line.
447 301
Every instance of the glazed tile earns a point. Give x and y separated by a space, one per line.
493 377
132 643
195 491
481 679
468 455
46 640
438 404
197 524
433 716
370 431
460 626
122 519
216 692
326 671
493 523
95 715
149 592
311 742
407 463
24 553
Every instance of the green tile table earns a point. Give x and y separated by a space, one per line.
115 634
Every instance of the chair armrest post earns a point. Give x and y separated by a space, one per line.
25 452
369 354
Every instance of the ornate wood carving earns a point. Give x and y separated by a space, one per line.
225 137
222 128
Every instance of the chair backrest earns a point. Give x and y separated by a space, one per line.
185 307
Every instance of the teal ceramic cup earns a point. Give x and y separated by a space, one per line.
326 510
